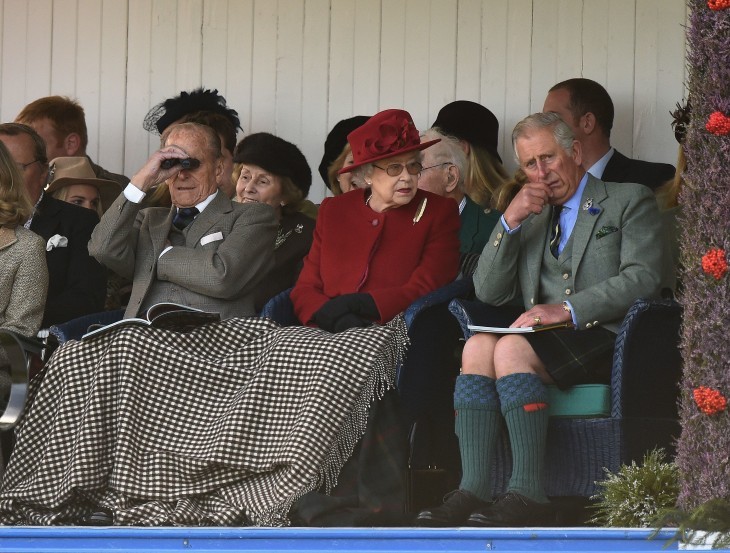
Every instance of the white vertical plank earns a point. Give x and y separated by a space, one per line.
620 71
417 64
442 59
189 50
469 41
263 94
557 46
139 84
367 58
14 58
64 47
659 44
239 51
519 72
113 105
314 90
88 66
39 51
595 33
214 62
344 35
289 48
392 61
163 55
494 68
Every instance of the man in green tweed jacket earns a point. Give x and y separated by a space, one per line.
580 251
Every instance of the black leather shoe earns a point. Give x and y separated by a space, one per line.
100 517
457 507
513 509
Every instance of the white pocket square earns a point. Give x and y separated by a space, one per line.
211 238
56 241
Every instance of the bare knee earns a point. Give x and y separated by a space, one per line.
478 355
514 354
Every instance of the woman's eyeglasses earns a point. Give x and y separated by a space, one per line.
395 169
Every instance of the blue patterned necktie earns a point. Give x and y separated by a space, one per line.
555 230
184 216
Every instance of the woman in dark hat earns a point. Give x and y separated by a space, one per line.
478 130
275 172
338 154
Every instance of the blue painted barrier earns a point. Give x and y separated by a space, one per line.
21 539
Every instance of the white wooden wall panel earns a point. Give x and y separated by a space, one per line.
468 62
495 66
237 89
112 107
296 67
365 60
263 90
314 115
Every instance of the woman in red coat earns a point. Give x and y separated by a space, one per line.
377 250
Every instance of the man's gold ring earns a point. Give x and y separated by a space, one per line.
537 320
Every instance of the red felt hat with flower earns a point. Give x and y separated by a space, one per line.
386 134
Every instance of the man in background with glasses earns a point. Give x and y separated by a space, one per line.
77 283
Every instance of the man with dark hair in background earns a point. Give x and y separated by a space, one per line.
587 108
61 123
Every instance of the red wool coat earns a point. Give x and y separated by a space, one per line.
384 254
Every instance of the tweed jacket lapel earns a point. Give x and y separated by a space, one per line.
159 225
216 209
536 232
595 190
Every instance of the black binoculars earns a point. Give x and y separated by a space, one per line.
185 163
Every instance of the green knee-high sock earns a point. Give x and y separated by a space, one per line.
477 426
524 407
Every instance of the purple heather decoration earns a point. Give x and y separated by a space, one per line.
703 454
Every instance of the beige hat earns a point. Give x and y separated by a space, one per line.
64 171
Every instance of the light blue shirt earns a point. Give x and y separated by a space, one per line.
599 166
569 214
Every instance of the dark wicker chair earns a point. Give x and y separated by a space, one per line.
19 353
644 394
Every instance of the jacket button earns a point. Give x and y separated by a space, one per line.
568 291
532 301
566 276
595 323
495 243
375 222
589 325
499 235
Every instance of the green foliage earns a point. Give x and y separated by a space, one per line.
636 495
712 517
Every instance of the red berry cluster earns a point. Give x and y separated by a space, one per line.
714 263
718 5
709 401
718 123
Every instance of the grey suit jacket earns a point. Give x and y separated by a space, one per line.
617 256
228 249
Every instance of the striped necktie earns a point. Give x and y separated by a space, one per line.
555 230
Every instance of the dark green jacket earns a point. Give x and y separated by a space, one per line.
476 226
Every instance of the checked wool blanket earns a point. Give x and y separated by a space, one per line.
226 425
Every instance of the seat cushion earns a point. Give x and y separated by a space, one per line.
580 401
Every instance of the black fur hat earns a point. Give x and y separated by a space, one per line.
277 156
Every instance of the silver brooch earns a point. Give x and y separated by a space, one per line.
588 204
299 228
